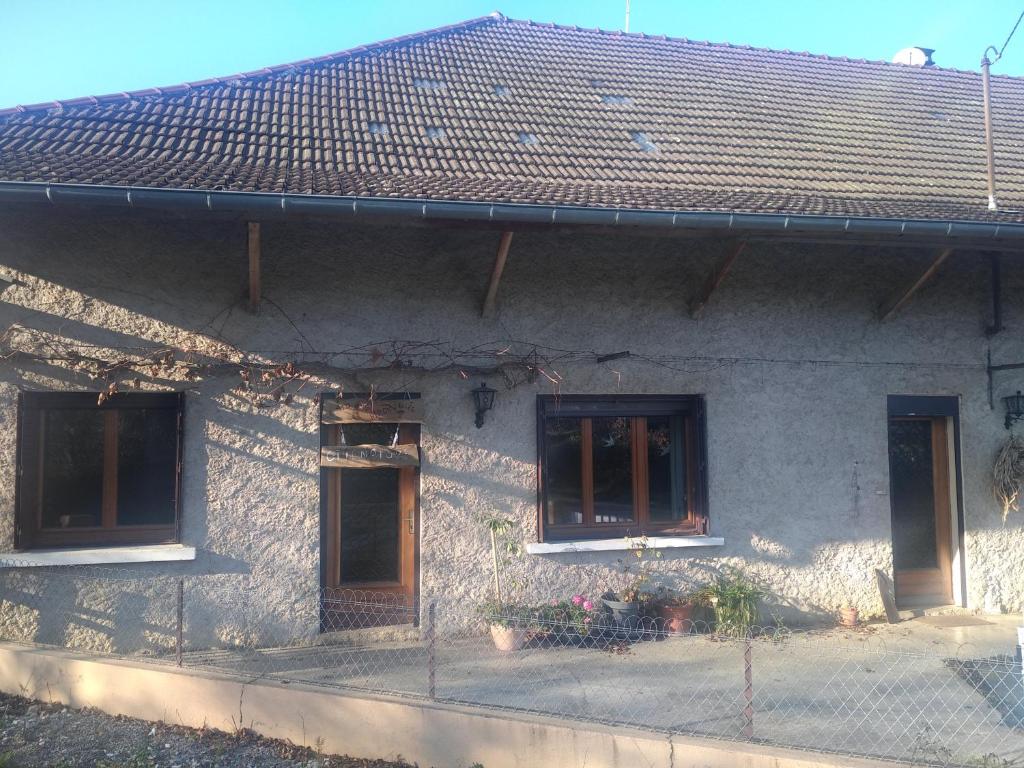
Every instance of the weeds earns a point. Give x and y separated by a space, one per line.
734 598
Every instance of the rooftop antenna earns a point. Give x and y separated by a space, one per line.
986 98
627 17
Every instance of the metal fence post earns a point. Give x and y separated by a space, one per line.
748 690
179 640
431 660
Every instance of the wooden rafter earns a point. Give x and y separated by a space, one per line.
255 289
499 266
715 279
900 298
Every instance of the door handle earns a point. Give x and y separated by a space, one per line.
411 520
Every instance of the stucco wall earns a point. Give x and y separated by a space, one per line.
795 371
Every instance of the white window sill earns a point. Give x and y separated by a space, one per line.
623 544
148 553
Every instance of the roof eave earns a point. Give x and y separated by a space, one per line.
284 204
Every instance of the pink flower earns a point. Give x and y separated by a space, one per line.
554 602
577 600
587 605
586 620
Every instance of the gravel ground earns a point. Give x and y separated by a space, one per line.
33 734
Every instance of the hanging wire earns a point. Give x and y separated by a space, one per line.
1000 51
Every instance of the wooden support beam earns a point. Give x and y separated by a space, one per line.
900 298
715 279
499 266
255 288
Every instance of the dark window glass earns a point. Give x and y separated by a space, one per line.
564 442
98 475
71 481
622 465
369 525
147 452
369 434
666 468
913 494
613 470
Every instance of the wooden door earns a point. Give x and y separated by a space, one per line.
919 486
372 529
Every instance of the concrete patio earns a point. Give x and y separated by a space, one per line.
911 691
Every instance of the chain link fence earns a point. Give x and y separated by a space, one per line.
811 690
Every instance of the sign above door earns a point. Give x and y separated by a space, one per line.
397 411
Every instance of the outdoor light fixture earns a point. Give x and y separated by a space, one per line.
483 398
1014 408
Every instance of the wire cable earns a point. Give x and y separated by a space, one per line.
1009 37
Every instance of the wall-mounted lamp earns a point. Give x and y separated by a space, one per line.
483 398
1014 408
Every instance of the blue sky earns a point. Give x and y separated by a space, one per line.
52 49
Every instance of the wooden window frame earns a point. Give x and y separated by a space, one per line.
638 408
29 533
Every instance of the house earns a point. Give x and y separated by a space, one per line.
752 305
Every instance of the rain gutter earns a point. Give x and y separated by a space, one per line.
275 204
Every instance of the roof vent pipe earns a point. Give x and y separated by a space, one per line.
986 99
914 56
986 96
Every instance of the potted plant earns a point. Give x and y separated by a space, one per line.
734 598
634 571
509 623
848 616
675 610
624 604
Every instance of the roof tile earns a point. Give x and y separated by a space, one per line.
733 128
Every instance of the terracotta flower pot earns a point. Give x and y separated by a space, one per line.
508 639
678 618
848 616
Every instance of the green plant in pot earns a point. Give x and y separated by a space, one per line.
509 622
634 574
735 600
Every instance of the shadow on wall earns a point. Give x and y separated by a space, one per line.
124 612
129 281
116 616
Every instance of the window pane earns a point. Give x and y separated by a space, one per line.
613 470
371 433
913 494
72 469
147 452
369 525
666 468
563 466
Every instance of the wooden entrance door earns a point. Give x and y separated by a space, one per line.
372 530
921 518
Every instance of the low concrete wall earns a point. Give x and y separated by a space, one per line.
431 734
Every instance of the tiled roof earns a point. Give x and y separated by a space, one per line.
499 110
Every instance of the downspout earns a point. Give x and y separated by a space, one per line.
986 97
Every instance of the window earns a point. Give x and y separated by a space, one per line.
95 475
617 466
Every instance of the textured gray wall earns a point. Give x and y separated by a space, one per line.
795 388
